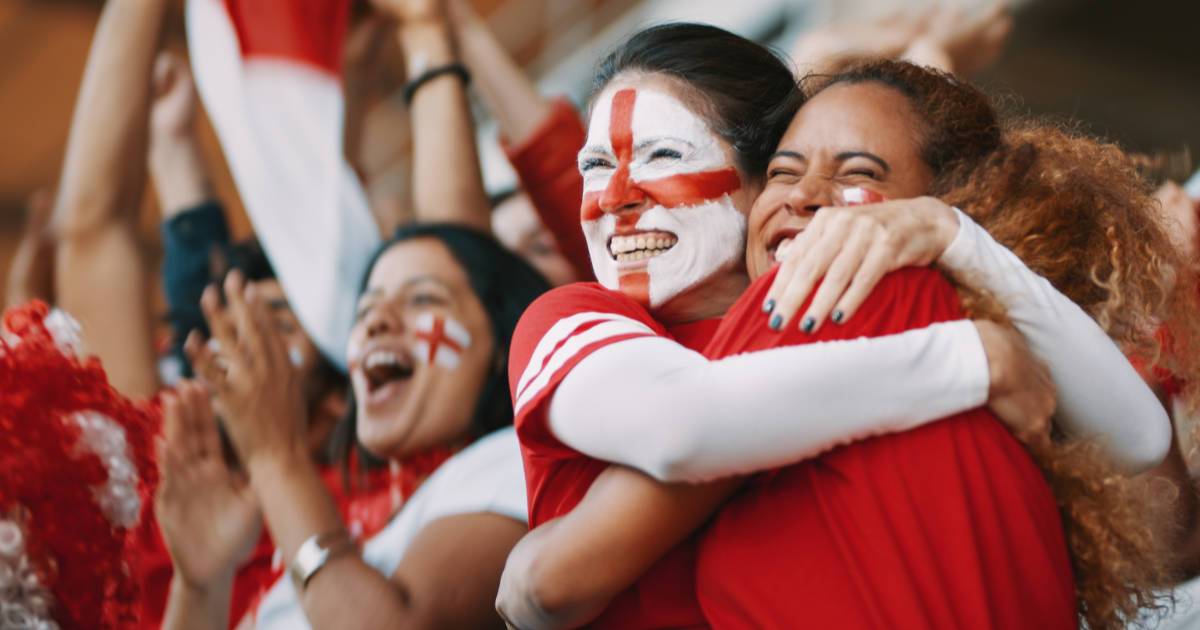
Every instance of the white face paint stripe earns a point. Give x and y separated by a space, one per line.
574 344
554 337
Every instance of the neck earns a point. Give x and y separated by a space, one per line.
709 300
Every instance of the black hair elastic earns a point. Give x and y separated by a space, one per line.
455 68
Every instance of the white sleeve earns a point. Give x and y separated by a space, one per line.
681 417
1099 393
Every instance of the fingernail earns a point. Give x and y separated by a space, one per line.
808 324
837 316
769 305
776 322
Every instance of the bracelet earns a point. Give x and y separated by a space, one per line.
316 552
455 68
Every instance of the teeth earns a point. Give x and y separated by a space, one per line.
628 245
380 358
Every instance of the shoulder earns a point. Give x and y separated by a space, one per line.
485 478
572 317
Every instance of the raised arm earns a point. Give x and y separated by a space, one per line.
541 137
100 276
447 183
699 420
193 222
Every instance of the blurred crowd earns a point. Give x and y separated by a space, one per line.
822 338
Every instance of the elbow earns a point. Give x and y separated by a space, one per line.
540 593
676 454
1149 447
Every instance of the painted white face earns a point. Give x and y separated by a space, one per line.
657 207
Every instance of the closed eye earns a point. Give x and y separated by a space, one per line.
591 163
665 154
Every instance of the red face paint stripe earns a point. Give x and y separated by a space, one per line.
636 285
620 191
690 189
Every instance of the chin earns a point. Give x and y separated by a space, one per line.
384 436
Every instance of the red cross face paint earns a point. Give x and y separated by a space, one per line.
657 207
440 340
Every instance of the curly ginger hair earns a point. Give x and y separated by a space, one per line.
1075 210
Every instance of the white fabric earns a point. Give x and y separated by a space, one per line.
1099 392
485 477
1184 615
280 126
681 417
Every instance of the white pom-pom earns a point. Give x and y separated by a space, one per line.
24 603
118 497
65 331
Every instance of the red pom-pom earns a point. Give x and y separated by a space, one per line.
48 476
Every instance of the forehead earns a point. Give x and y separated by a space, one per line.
412 259
855 116
657 112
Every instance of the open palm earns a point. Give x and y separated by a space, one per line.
208 515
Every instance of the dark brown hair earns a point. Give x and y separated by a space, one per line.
735 82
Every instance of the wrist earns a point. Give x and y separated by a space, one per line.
945 223
269 465
426 44
179 177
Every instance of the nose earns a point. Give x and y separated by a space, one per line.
382 319
809 194
622 193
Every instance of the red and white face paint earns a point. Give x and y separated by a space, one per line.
657 207
440 340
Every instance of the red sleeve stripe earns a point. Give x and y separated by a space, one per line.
557 335
566 348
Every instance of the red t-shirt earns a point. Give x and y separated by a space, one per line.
950 525
555 334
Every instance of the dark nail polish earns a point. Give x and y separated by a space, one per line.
808 324
768 306
776 322
837 316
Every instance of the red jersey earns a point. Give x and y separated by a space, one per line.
950 525
558 331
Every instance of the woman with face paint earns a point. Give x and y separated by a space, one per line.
427 357
605 375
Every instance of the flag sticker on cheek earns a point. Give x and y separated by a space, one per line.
440 340
857 196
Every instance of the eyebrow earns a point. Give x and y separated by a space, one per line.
649 141
841 157
410 282
277 305
594 149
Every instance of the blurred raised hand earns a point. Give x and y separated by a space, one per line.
208 515
261 394
174 157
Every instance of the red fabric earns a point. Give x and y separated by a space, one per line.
546 165
49 476
950 525
309 32
559 476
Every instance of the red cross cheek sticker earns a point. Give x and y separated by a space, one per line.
440 341
858 196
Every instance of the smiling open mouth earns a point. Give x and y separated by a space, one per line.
383 367
641 246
